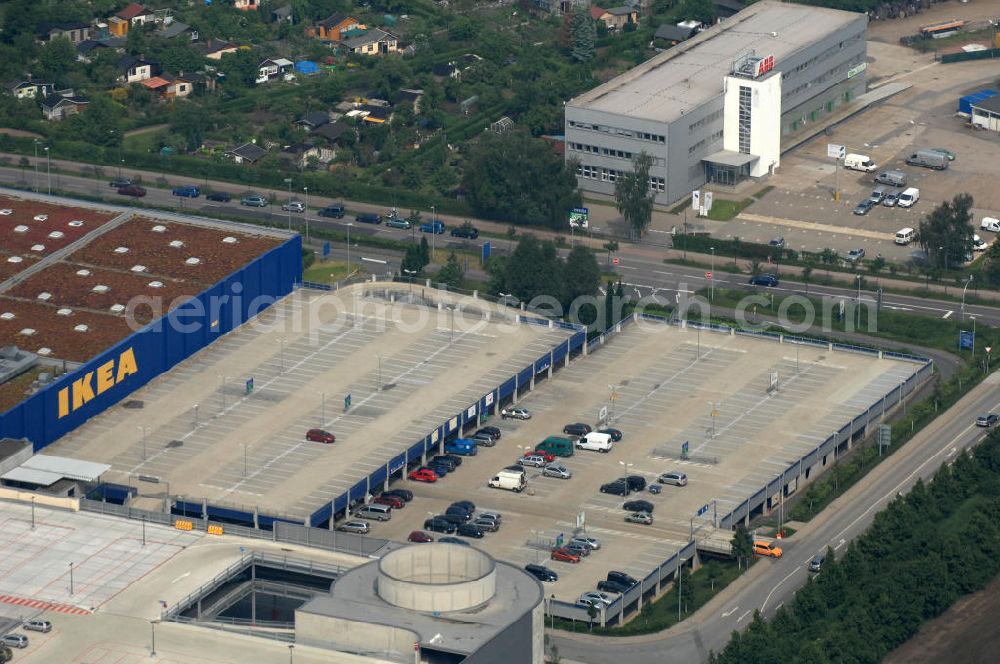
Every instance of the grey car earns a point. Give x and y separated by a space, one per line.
864 207
14 640
37 626
254 200
591 542
359 527
674 477
555 470
891 199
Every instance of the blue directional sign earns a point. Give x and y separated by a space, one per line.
684 449
487 249
249 385
966 339
326 249
347 401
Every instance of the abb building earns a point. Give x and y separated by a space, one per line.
718 107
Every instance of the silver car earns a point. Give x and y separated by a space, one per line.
555 470
360 527
590 542
595 598
294 206
37 626
676 478
14 640
516 413
536 460
645 518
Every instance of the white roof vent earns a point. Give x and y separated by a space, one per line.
121 250
138 268
156 284
83 273
41 217
76 223
230 240
38 247
64 312
21 228
159 229
46 351
27 331
56 235
176 244
45 297
117 308
14 259
81 328
7 316
192 261
100 288
6 212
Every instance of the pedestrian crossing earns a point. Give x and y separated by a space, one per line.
44 606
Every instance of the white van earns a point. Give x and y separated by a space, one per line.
990 224
908 197
905 236
508 480
859 162
375 511
595 441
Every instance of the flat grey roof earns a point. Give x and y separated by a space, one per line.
686 76
46 470
991 104
730 158
353 597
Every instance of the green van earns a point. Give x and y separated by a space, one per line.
556 445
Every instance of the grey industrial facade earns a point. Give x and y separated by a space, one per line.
672 106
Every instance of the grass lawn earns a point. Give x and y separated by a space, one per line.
145 142
723 210
326 273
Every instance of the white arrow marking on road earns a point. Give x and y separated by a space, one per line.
948 315
740 619
730 612
897 308
182 576
840 544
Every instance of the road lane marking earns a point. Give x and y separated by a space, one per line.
778 585
841 543
182 576
740 619
730 612
947 315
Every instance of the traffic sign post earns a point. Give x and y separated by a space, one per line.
684 450
615 260
347 402
249 385
838 152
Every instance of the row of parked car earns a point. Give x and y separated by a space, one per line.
578 548
15 640
460 518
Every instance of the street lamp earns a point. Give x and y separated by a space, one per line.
244 446
504 296
223 392
433 231
967 282
322 408
71 578
291 649
152 635
711 282
627 466
409 274
305 212
349 224
144 431
379 383
288 181
858 325
36 164
48 168
195 406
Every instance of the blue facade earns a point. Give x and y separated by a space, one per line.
128 365
965 103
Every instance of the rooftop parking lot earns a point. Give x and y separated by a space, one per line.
407 368
739 436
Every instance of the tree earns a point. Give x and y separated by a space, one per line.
633 197
611 247
191 122
807 271
946 233
991 265
686 590
742 546
697 10
56 59
98 125
828 257
532 269
583 37
425 251
592 614
451 272
239 67
413 262
581 275
877 265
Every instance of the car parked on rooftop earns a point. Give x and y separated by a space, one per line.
577 429
439 525
855 255
359 527
864 207
615 434
515 413
320 436
638 506
541 572
43 626
564 555
391 500
578 549
453 540
423 475
405 494
618 488
644 518
586 540
470 530
612 586
419 537
557 471
536 460
674 477
487 525
595 598
891 199
635 482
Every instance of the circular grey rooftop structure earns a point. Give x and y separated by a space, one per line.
436 577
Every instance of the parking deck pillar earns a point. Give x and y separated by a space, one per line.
204 510
256 518
566 359
385 484
586 347
638 606
199 608
551 360
531 385
517 380
332 514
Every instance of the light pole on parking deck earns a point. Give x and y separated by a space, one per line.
48 168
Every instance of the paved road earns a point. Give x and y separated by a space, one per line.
771 583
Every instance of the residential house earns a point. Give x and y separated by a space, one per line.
133 69
330 28
671 35
201 82
166 86
407 95
74 31
314 120
29 89
332 131
283 13
57 106
376 114
615 18
272 69
214 49
247 5
175 29
445 70
248 153
86 49
373 42
133 14
300 154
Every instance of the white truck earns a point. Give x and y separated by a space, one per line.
859 162
990 224
598 442
908 197
509 480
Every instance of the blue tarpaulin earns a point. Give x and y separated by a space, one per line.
306 67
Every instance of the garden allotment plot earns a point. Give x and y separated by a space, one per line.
406 367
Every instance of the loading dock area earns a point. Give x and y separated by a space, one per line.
224 433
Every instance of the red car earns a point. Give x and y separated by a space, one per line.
423 475
392 501
565 556
133 190
320 436
548 456
420 537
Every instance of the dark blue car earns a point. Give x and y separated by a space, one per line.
187 191
764 280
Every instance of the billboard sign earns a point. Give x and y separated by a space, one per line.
857 69
836 151
487 250
695 199
579 218
763 66
966 339
708 201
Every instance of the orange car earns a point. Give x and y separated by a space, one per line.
765 548
565 556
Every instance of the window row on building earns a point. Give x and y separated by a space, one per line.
708 140
618 131
656 185
827 54
708 119
837 71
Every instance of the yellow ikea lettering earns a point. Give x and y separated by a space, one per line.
86 388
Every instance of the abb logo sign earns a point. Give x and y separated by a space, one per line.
763 66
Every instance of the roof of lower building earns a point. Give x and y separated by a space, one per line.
681 79
991 104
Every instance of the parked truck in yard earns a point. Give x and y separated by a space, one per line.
509 480
462 446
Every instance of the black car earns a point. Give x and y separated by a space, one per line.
441 469
635 482
368 218
616 435
612 586
638 506
541 572
622 578
465 231
454 519
764 280
618 488
470 530
445 461
220 196
466 505
455 458
118 183
864 207
439 525
577 429
405 494
459 511
493 431
335 211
